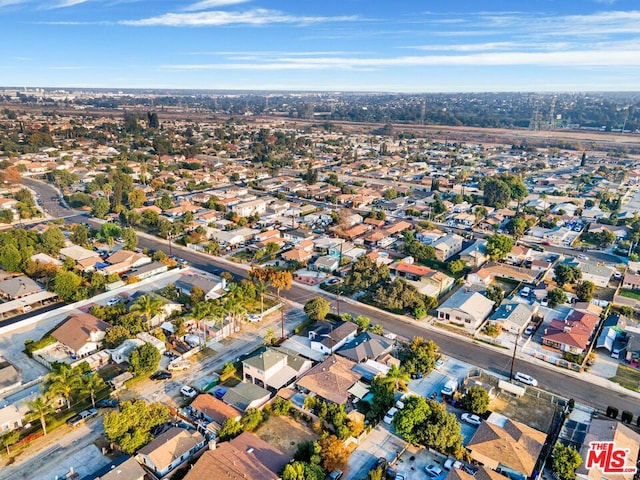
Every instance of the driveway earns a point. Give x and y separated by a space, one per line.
381 442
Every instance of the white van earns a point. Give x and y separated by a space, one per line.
450 387
525 292
527 379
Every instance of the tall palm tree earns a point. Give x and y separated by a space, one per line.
146 305
261 289
41 407
65 382
92 384
397 379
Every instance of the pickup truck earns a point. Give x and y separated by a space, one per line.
179 365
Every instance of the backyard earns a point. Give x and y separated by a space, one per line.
285 433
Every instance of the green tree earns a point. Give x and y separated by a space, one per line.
9 439
499 246
130 428
516 227
383 399
147 306
565 461
495 294
425 422
130 238
196 295
566 274
66 285
136 198
100 207
420 356
52 240
41 407
80 234
251 419
456 266
397 379
376 474
585 290
64 381
302 471
363 323
10 258
556 297
496 193
317 308
115 335
144 360
92 384
476 400
230 429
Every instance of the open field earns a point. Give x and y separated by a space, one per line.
628 377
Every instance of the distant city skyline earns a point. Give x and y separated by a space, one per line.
348 45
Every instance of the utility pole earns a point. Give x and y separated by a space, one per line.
282 321
169 238
513 359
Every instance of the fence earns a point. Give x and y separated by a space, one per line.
558 361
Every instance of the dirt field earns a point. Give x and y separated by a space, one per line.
285 433
528 409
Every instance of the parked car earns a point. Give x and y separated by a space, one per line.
433 470
388 418
75 421
113 301
525 292
452 463
416 376
439 364
179 365
527 379
529 330
582 256
335 475
471 419
188 391
161 375
81 417
617 275
107 403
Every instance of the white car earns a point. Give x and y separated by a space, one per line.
113 301
451 463
433 471
582 256
188 391
526 379
471 419
439 364
388 418
617 275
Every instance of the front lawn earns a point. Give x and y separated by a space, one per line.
635 294
628 377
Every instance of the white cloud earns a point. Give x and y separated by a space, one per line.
205 4
6 3
67 3
581 58
258 16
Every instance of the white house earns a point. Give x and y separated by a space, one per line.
252 207
122 353
465 308
170 449
327 337
81 333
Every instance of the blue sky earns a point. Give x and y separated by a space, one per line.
361 45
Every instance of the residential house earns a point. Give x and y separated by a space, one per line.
19 287
122 353
170 449
212 286
597 273
606 430
481 474
81 333
488 273
130 469
150 269
123 261
465 308
327 263
447 246
12 416
330 379
77 253
631 281
518 255
245 457
274 367
475 255
297 255
209 408
507 446
245 396
366 346
252 207
269 235
327 337
428 281
512 316
572 334
296 235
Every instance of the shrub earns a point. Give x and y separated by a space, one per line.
280 406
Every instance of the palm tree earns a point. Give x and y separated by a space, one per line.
146 305
261 288
396 378
91 385
41 407
65 382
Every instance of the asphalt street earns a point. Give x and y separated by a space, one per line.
551 379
